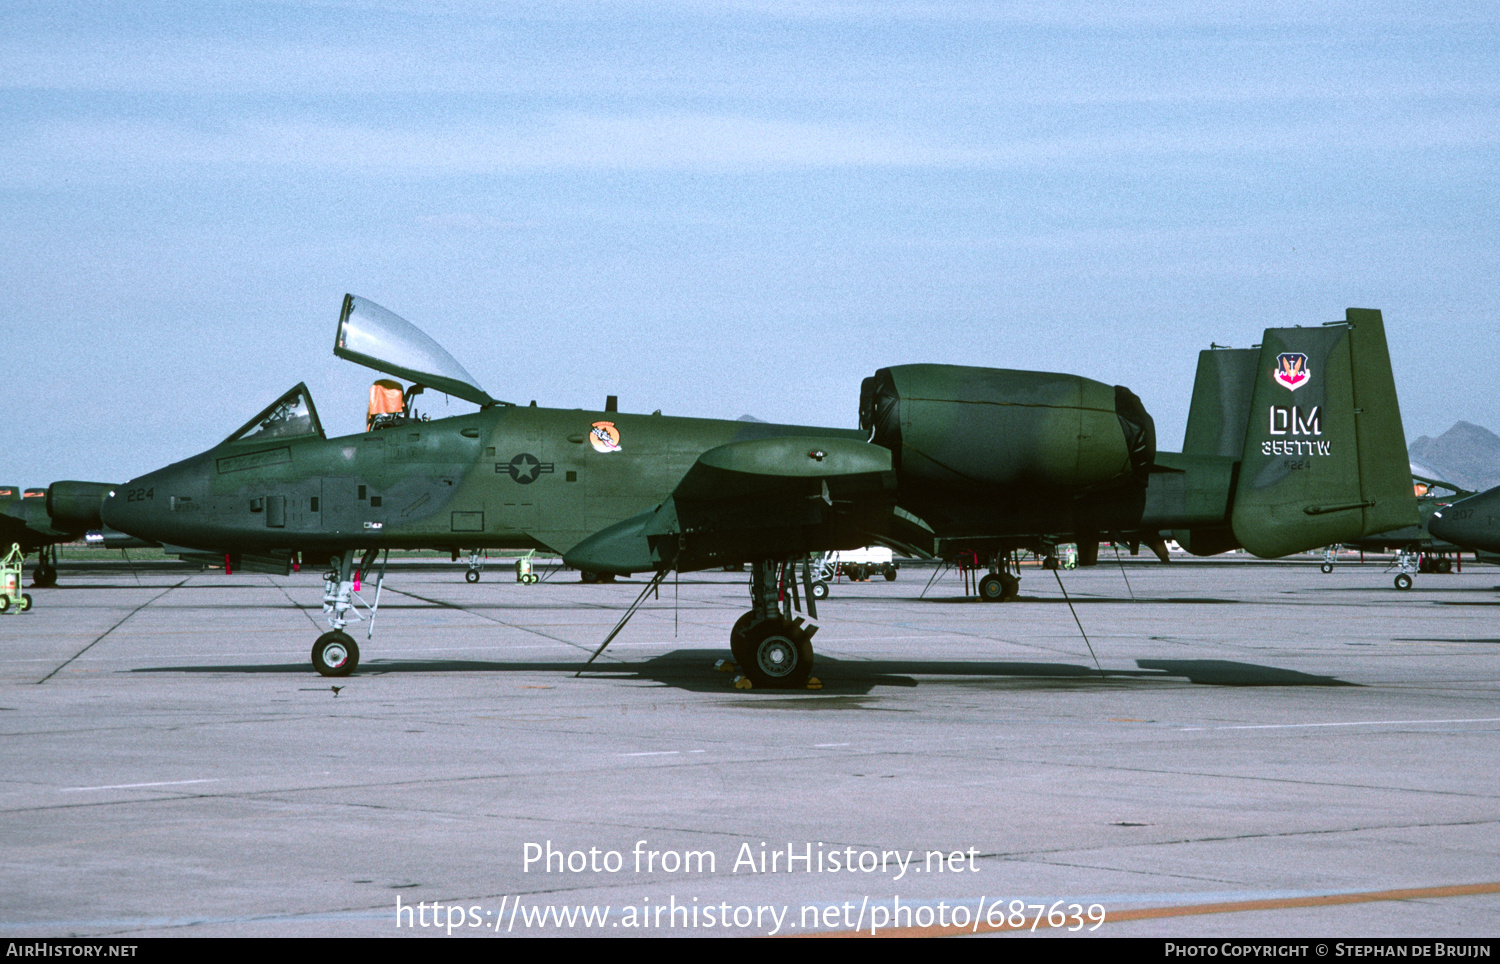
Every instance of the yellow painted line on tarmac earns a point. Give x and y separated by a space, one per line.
1192 910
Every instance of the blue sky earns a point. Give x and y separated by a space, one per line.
721 208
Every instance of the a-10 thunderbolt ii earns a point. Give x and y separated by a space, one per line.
1473 523
1417 549
989 460
38 519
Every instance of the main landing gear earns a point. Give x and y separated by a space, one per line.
771 646
44 575
1001 585
336 653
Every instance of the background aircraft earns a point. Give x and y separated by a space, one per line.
1417 550
1308 451
1473 523
39 519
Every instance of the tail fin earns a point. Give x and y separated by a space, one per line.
1324 458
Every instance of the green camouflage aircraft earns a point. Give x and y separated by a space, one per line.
1302 451
1417 549
1473 523
38 519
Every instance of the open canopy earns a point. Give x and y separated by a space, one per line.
376 338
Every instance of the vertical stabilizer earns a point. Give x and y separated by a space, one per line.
1220 409
1324 458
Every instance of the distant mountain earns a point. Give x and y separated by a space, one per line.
1465 455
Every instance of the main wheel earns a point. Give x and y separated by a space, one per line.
1012 585
1445 565
589 576
820 590
992 588
471 576
44 577
1403 581
335 654
1327 568
890 573
780 655
855 573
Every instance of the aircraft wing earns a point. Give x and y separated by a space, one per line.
757 499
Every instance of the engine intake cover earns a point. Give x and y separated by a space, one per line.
990 428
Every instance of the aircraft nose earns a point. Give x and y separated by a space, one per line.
135 507
1473 523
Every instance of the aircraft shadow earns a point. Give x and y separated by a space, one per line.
693 670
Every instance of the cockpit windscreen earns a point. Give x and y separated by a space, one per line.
290 416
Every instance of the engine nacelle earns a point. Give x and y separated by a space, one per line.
76 505
988 429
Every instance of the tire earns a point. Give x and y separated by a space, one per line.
820 590
4 603
1327 568
780 655
1012 586
855 573
471 576
1445 565
335 654
737 646
44 578
1403 582
25 602
890 573
1050 562
588 576
992 588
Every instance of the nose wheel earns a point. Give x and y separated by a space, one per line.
335 654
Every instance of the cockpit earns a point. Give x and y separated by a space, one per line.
370 335
290 416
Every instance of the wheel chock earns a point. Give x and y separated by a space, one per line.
725 666
743 683
813 683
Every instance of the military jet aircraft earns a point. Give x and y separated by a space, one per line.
38 519
1417 549
945 456
1473 523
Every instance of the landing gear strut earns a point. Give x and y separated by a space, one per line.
476 566
1406 560
335 653
773 648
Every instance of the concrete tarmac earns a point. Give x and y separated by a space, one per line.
1268 751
